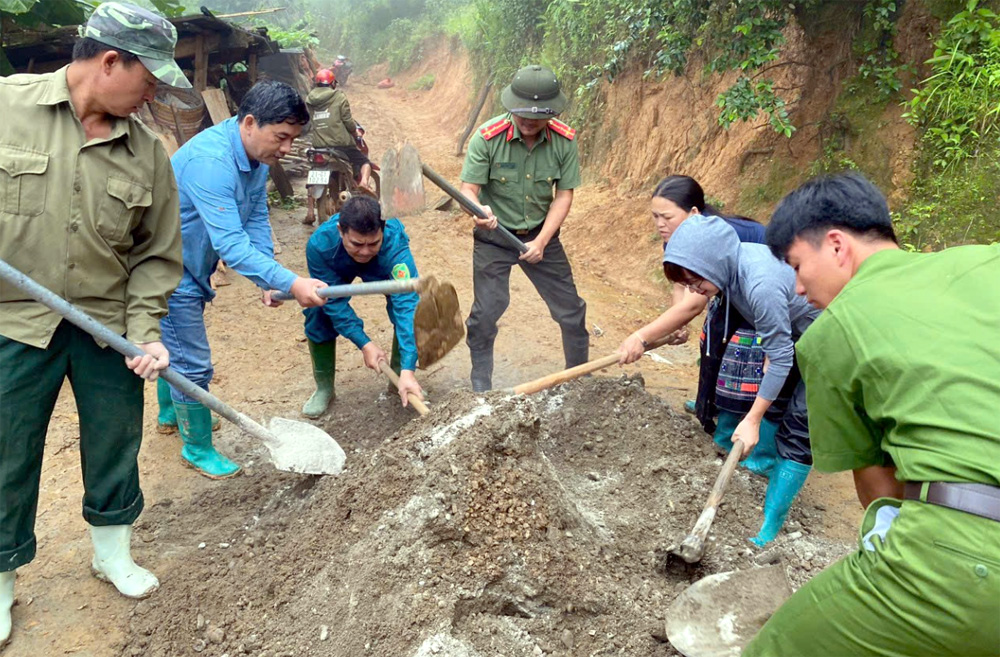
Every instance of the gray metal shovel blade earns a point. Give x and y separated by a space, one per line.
302 447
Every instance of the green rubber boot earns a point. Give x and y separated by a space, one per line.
195 424
787 479
324 363
166 419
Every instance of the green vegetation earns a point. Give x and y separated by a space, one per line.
423 83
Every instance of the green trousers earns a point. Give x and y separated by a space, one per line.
931 587
109 403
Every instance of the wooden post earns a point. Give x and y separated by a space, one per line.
252 66
200 64
281 181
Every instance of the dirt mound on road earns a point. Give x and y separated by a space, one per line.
494 526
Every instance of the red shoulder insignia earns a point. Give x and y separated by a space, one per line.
561 128
491 131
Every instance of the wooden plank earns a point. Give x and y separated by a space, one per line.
200 64
281 181
188 46
169 142
215 101
252 67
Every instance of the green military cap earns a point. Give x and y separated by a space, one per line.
143 33
534 94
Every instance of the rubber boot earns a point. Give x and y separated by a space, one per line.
482 370
324 364
166 419
6 602
690 406
787 480
395 364
195 423
113 562
725 426
765 452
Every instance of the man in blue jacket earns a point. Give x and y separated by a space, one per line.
222 179
358 243
706 255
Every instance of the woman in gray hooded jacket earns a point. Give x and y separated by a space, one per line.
706 255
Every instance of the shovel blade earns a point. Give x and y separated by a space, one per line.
402 182
303 448
718 615
437 324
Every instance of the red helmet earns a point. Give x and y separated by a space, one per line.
324 76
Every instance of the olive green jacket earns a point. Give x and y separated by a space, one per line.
95 222
332 123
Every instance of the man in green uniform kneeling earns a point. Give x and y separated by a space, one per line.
89 209
903 389
523 166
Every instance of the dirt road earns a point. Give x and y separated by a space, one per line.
262 367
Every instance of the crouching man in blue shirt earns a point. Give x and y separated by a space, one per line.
222 178
358 243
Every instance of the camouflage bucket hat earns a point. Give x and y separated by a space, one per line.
534 94
147 35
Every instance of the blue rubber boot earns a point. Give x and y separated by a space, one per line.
725 425
787 479
691 406
762 459
195 424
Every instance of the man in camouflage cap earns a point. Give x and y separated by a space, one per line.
523 166
89 209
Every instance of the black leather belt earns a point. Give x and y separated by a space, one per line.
978 499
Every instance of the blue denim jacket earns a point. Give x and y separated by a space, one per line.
330 262
224 212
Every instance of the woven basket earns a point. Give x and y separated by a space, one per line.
188 104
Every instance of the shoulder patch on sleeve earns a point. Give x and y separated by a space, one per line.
491 131
562 129
401 272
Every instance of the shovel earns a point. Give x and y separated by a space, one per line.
405 194
415 401
692 548
563 376
437 323
718 615
293 446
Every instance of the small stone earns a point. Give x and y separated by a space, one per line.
592 633
248 540
324 632
599 439
200 624
593 476
794 536
567 639
201 546
215 634
537 651
198 645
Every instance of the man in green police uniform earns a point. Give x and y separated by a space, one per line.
89 209
523 167
903 389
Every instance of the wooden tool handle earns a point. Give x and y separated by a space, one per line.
415 401
551 380
692 548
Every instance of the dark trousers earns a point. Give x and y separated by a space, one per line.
552 277
109 403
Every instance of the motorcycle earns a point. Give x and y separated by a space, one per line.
331 180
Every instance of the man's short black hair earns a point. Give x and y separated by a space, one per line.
361 214
846 201
271 101
86 48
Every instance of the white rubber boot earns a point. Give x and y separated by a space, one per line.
113 562
6 602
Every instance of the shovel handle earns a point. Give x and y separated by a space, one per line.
692 548
79 318
471 207
589 367
415 401
357 289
